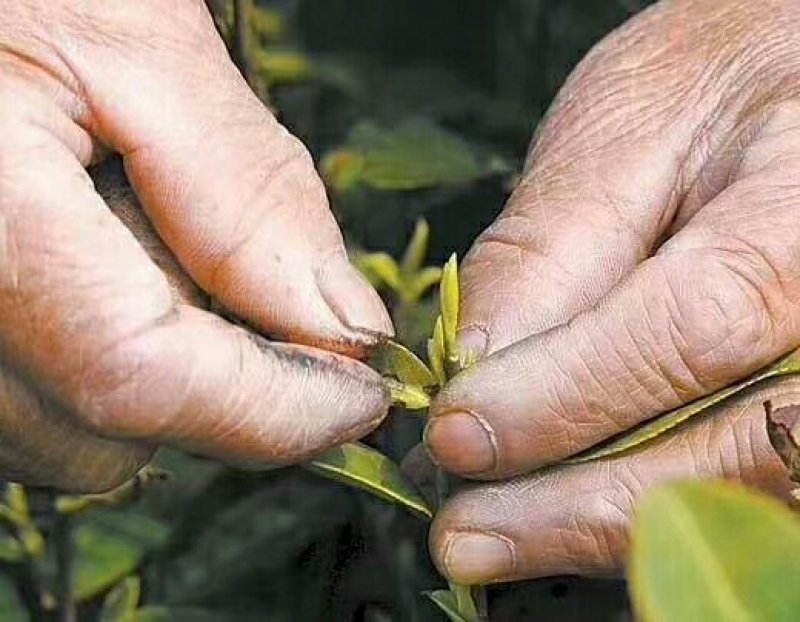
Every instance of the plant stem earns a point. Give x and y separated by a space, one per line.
65 554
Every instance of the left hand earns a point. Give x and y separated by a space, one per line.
650 256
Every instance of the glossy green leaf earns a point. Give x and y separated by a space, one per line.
122 601
413 155
417 250
11 607
449 300
664 423
357 465
447 603
110 546
396 361
714 552
380 269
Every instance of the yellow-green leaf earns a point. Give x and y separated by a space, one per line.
361 466
282 66
417 250
449 301
714 552
436 353
395 360
421 283
343 169
380 269
410 396
666 422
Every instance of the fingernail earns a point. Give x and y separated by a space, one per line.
352 299
462 442
473 342
473 558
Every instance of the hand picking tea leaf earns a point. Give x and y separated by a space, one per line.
356 464
656 427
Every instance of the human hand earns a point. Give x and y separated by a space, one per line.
100 359
649 256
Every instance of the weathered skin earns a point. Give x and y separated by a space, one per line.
106 349
649 256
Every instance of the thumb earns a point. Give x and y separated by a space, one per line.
230 191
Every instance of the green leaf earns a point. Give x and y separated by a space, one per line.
449 301
417 250
396 361
714 552
122 601
110 546
11 607
357 465
414 155
446 601
380 269
656 427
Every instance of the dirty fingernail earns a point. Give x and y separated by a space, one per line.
462 442
477 558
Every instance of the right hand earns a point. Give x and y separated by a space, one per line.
100 361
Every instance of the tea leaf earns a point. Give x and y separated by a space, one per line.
395 360
110 546
379 268
449 301
417 250
356 464
421 283
446 601
413 155
122 601
464 601
410 396
666 422
714 552
436 352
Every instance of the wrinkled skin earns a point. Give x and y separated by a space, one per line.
649 256
106 350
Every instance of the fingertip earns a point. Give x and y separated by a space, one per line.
462 442
354 302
